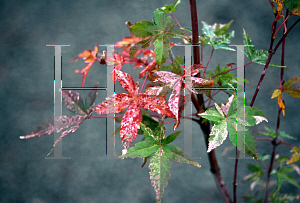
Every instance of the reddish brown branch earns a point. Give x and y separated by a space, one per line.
200 107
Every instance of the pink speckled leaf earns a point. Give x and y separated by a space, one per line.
174 101
74 102
167 77
133 116
64 124
114 104
176 82
155 105
158 90
127 82
130 123
181 105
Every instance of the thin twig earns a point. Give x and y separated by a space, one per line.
212 51
179 25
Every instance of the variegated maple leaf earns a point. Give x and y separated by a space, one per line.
134 100
175 83
67 123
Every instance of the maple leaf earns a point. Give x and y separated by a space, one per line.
67 123
117 61
134 101
127 42
228 120
175 83
296 156
89 57
287 88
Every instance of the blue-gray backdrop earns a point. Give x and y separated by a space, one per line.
26 80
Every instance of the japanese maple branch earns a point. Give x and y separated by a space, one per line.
205 126
271 52
274 141
271 140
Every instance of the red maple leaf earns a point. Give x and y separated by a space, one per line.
89 57
134 100
117 61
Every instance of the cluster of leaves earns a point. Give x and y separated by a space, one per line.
227 119
216 35
281 173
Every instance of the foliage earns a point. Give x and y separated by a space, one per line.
173 79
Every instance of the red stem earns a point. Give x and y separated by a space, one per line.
144 82
179 25
212 51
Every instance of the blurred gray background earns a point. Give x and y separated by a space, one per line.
26 79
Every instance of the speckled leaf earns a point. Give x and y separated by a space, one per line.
149 122
175 82
131 122
217 135
114 104
148 133
219 109
90 99
226 108
159 173
74 102
64 124
211 114
133 116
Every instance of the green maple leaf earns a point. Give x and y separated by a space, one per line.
216 35
293 6
227 120
256 56
157 33
155 143
170 8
